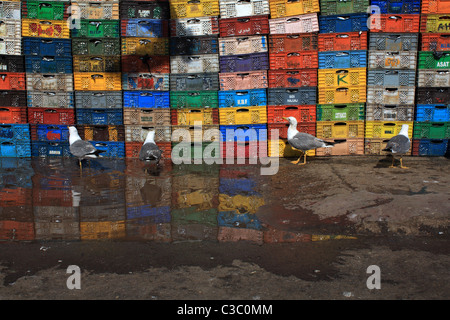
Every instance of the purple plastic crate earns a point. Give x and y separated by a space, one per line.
245 62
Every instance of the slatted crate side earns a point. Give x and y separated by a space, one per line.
242 45
46 64
13 115
194 116
303 113
143 46
194 63
46 10
342 77
41 28
391 96
287 8
12 81
145 81
15 149
236 8
12 63
37 99
243 26
334 7
243 80
398 7
99 100
431 130
101 132
193 8
204 133
96 46
147 64
10 10
96 64
342 41
97 81
146 28
47 47
281 148
435 23
340 129
241 63
11 46
343 147
343 23
380 112
15 132
147 116
194 81
146 99
433 113
49 82
144 9
435 6
49 132
291 96
343 59
394 42
294 60
340 112
391 78
105 116
392 60
242 98
132 149
51 116
279 130
305 23
193 99
433 78
375 146
434 60
200 26
342 95
435 42
292 78
13 98
244 115
429 147
138 133
293 42
386 129
96 28
395 23
107 10
189 45
427 95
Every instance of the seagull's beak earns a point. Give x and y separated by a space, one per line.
286 119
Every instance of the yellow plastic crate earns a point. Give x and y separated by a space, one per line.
84 81
190 116
335 95
240 203
243 115
282 149
45 28
337 129
193 8
143 46
102 230
386 129
341 78
287 8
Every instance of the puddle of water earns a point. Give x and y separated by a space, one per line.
49 199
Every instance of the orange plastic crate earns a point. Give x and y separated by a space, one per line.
303 113
13 114
435 6
12 81
342 41
435 42
395 23
293 42
294 60
51 116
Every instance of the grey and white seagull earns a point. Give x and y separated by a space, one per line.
399 144
80 148
150 151
303 141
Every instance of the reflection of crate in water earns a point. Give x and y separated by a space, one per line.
227 234
16 230
102 230
238 220
148 190
56 223
192 215
97 213
194 232
11 197
158 232
201 199
150 213
240 203
272 235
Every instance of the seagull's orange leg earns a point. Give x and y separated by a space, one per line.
304 159
401 164
296 162
392 165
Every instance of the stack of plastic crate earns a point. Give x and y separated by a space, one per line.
145 74
342 76
292 75
432 121
97 77
194 63
394 28
49 75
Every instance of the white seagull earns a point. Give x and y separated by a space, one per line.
149 150
399 144
80 148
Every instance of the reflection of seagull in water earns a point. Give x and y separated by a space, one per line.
399 144
303 141
80 148
150 151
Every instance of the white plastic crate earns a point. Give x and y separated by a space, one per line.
242 45
433 78
138 133
383 95
304 23
392 60
243 8
11 46
200 26
49 82
194 64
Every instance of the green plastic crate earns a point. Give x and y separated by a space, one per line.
194 99
47 10
96 46
431 130
97 29
340 112
434 60
332 7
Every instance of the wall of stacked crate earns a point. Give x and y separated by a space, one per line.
124 68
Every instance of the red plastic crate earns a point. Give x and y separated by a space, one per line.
132 149
244 26
435 42
303 113
52 197
293 42
292 78
13 197
144 64
395 23
51 116
13 114
294 60
16 230
342 41
252 150
307 127
12 81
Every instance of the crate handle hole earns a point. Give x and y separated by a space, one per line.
291 108
243 20
242 110
292 20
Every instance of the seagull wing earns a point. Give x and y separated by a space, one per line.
304 141
398 144
83 148
150 151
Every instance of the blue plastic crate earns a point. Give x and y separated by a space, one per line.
343 59
148 28
244 132
238 220
430 147
16 172
50 149
100 116
113 149
433 113
15 149
343 23
47 47
242 98
397 6
242 186
156 214
15 132
146 99
51 133
48 64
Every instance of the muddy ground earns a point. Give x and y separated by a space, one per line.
393 218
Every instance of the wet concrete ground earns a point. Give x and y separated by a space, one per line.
225 231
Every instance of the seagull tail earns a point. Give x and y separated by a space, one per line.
97 152
387 149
